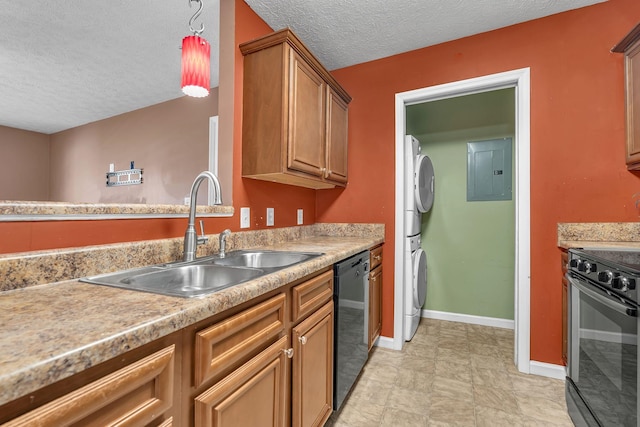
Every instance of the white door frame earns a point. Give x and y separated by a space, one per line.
520 80
213 153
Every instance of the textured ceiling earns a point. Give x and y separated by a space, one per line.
343 33
70 62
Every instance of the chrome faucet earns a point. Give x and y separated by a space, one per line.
191 240
223 242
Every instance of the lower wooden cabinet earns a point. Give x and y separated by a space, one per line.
312 373
375 305
565 308
375 295
267 362
253 395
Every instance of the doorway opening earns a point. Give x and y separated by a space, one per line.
520 81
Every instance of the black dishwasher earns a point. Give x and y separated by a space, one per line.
351 301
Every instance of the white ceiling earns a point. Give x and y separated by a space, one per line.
71 62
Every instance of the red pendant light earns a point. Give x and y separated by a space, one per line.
196 54
196 60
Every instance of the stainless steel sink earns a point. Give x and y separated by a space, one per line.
190 280
202 276
267 260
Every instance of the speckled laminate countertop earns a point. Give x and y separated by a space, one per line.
50 332
16 210
599 235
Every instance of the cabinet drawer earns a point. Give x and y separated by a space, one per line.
311 295
231 342
375 257
135 395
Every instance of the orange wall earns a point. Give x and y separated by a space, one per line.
577 136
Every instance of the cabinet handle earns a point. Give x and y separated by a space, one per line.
303 340
327 173
288 352
378 257
373 279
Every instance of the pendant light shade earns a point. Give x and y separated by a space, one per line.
196 54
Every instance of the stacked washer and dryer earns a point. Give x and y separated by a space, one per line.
419 186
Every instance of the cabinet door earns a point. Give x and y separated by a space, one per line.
632 77
312 375
253 395
375 304
337 112
306 148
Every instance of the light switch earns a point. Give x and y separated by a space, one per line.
270 215
245 217
300 217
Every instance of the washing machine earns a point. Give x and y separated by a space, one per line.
416 284
419 189
419 185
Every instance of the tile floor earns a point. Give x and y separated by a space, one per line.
452 374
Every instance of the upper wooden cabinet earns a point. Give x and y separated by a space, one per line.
294 123
630 46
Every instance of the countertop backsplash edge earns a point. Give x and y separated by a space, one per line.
21 270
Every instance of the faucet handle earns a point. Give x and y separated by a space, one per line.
202 239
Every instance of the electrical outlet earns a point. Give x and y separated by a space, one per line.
300 217
245 217
270 215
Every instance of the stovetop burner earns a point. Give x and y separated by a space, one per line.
615 270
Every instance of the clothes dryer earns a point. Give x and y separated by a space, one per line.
419 185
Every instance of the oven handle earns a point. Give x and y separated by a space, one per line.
601 296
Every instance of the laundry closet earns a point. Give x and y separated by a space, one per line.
468 235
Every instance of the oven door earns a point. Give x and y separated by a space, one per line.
602 379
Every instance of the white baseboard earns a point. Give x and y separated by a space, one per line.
386 342
547 370
469 318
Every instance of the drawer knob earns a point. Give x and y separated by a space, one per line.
303 340
288 352
378 257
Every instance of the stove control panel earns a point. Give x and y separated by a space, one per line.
609 274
